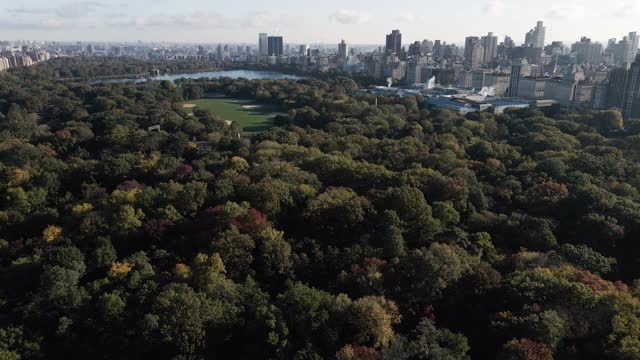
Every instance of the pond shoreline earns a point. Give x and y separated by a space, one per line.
189 74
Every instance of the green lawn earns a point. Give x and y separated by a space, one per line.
252 120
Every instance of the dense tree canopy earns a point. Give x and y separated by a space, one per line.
352 231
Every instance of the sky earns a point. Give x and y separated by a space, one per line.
313 22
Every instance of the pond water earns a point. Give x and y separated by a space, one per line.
247 74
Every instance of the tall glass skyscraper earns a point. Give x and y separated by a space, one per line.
275 46
263 43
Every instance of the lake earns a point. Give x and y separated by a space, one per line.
247 74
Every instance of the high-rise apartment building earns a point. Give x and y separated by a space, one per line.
342 49
275 46
394 42
587 52
624 89
426 46
304 50
219 54
490 48
473 52
508 41
414 73
633 51
535 37
438 49
623 51
415 49
263 44
519 68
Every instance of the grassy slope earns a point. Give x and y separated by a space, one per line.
251 120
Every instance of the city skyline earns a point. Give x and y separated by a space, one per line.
356 22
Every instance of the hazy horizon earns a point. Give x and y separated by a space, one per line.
358 22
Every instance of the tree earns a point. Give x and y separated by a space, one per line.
525 349
390 236
307 312
183 317
412 208
337 210
607 120
127 218
59 289
191 198
372 319
236 251
111 306
428 342
193 92
426 272
586 258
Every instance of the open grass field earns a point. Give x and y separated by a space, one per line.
252 117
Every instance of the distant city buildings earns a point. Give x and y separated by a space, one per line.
394 43
624 89
490 48
536 36
584 74
26 55
263 44
473 52
623 51
304 50
587 52
342 50
275 46
519 69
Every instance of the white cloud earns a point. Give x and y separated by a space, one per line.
570 10
52 23
41 24
67 10
77 14
79 8
349 17
627 9
494 8
409 18
204 20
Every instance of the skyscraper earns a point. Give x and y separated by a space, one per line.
633 51
490 46
263 44
342 49
415 49
535 36
508 41
587 52
438 49
394 42
624 89
275 47
516 73
426 46
473 52
623 51
219 55
414 73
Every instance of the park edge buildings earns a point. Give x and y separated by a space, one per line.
25 55
582 73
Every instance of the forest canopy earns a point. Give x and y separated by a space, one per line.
359 228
